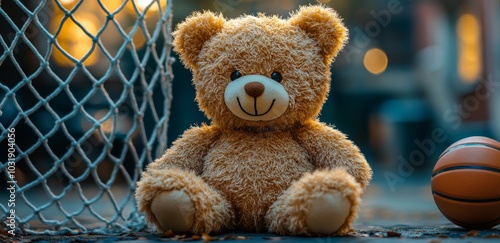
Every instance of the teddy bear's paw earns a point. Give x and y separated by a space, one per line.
327 213
174 211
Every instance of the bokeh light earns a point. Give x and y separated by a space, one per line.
73 40
111 5
64 2
138 38
469 48
142 5
375 61
68 4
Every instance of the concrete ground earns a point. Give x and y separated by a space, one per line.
391 212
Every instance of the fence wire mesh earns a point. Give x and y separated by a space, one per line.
85 94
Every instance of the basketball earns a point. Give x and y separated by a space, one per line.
466 183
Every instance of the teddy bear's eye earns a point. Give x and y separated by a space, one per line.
276 76
236 74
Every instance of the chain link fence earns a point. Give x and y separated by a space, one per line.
85 95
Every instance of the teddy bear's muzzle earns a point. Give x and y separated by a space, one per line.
256 98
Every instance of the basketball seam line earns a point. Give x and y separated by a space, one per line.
467 145
463 167
466 200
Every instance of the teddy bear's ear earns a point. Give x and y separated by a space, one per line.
191 35
323 25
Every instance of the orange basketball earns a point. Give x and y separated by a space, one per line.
466 183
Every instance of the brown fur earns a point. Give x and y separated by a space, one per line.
257 175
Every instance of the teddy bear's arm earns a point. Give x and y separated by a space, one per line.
188 151
330 148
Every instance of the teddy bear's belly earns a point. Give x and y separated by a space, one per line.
252 172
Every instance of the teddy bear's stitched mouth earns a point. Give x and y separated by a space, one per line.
255 107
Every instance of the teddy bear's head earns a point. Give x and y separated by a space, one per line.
261 72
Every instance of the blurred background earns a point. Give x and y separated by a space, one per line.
415 77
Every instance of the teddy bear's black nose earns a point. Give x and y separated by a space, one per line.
254 89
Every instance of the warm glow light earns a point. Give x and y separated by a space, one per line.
138 38
115 123
73 40
469 48
143 4
66 1
468 28
68 4
111 5
375 61
107 125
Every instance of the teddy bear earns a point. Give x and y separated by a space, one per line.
265 163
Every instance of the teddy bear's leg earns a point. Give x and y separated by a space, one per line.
177 200
320 203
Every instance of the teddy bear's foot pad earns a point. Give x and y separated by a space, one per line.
327 213
174 211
